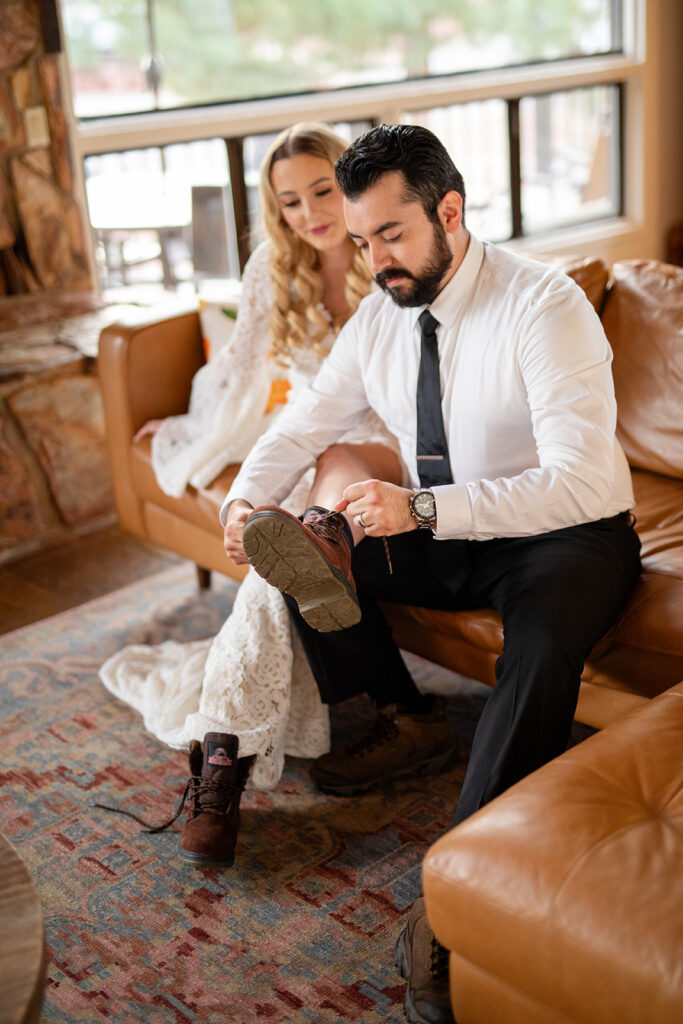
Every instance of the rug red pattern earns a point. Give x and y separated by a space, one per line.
300 931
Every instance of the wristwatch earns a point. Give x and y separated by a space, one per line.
423 508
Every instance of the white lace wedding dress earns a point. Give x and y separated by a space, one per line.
252 679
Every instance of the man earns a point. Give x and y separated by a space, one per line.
501 397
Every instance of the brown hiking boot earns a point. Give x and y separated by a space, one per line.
214 790
309 560
401 743
423 962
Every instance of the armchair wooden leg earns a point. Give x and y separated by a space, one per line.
203 578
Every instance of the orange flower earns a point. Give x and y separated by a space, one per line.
278 394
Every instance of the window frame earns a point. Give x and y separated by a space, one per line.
233 121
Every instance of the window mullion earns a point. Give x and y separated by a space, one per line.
619 148
617 26
240 205
515 168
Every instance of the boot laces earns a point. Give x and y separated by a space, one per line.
384 730
217 796
323 523
328 524
220 797
438 965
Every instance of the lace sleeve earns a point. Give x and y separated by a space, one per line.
229 395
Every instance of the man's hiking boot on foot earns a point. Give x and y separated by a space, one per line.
309 560
423 962
215 787
399 743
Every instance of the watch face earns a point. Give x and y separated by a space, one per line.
423 505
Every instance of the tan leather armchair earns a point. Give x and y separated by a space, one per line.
146 371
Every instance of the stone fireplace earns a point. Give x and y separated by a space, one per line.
54 475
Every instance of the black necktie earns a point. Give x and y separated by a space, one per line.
433 464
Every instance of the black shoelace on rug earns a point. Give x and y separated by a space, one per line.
220 797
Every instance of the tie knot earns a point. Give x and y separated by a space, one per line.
428 322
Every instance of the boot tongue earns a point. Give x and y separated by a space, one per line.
220 756
196 758
314 513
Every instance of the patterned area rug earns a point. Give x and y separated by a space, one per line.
300 931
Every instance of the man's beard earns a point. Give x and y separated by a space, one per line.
426 285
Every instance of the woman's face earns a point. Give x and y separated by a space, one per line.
310 201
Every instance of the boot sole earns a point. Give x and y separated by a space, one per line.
428 767
206 860
285 557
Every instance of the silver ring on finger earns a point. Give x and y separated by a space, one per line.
360 522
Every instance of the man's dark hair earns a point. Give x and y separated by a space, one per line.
416 152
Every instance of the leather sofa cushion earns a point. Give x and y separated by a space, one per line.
200 507
591 274
643 320
659 522
568 886
643 651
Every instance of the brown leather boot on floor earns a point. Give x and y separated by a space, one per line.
218 778
309 560
399 743
213 791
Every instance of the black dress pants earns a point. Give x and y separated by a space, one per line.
557 594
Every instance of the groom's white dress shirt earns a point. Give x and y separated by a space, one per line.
527 397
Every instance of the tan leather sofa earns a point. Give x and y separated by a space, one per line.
146 372
561 901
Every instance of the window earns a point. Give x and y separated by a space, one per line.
147 54
162 214
569 157
476 136
564 145
530 100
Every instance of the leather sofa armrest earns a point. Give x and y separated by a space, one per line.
568 884
145 371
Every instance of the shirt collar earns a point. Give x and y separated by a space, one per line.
446 306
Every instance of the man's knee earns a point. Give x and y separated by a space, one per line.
334 456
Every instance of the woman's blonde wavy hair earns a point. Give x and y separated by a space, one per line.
296 283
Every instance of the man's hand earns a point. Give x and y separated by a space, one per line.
384 507
238 512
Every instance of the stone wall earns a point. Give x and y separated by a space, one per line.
42 231
55 480
54 472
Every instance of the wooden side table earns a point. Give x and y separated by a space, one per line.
22 941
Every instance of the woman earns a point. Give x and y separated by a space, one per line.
299 288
